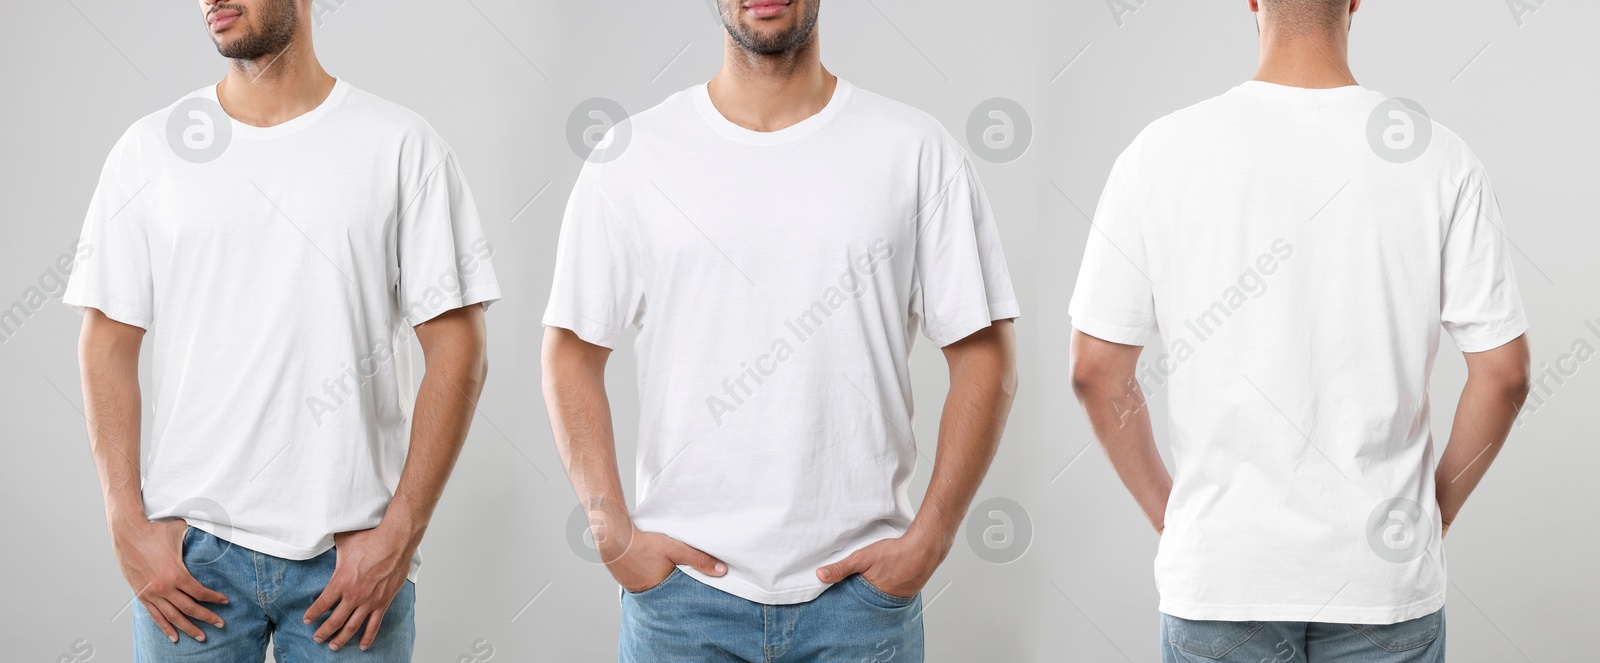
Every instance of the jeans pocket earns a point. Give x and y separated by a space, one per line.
652 589
1403 636
879 597
1208 639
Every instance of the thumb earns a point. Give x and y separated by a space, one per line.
683 553
856 562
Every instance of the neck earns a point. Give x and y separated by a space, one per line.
276 88
771 92
1308 61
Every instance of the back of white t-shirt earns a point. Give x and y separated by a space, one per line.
1293 253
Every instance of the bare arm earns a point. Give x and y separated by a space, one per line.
373 564
1103 378
150 554
580 417
983 384
1497 385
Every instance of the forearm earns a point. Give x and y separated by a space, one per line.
983 385
580 418
109 370
1120 419
1483 420
441 417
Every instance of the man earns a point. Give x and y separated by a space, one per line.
279 253
1294 245
777 237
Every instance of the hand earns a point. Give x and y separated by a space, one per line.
645 559
151 557
897 566
371 568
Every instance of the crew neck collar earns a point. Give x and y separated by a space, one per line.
1302 94
702 101
340 90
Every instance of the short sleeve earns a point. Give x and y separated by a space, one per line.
444 257
597 291
1479 304
962 282
1114 299
112 271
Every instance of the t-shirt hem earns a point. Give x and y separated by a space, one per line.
955 331
1106 331
267 546
1303 613
260 544
749 592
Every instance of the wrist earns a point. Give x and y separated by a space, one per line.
125 517
934 543
404 526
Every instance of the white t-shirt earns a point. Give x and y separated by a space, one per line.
279 271
1296 281
777 281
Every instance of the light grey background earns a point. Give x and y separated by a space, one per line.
498 79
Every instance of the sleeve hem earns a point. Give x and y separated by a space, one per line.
1492 337
947 334
114 310
486 295
1106 331
588 331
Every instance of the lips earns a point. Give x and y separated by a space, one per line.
766 8
222 18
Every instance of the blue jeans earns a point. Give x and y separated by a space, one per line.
1419 640
682 619
267 596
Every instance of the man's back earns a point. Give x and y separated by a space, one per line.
1296 250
